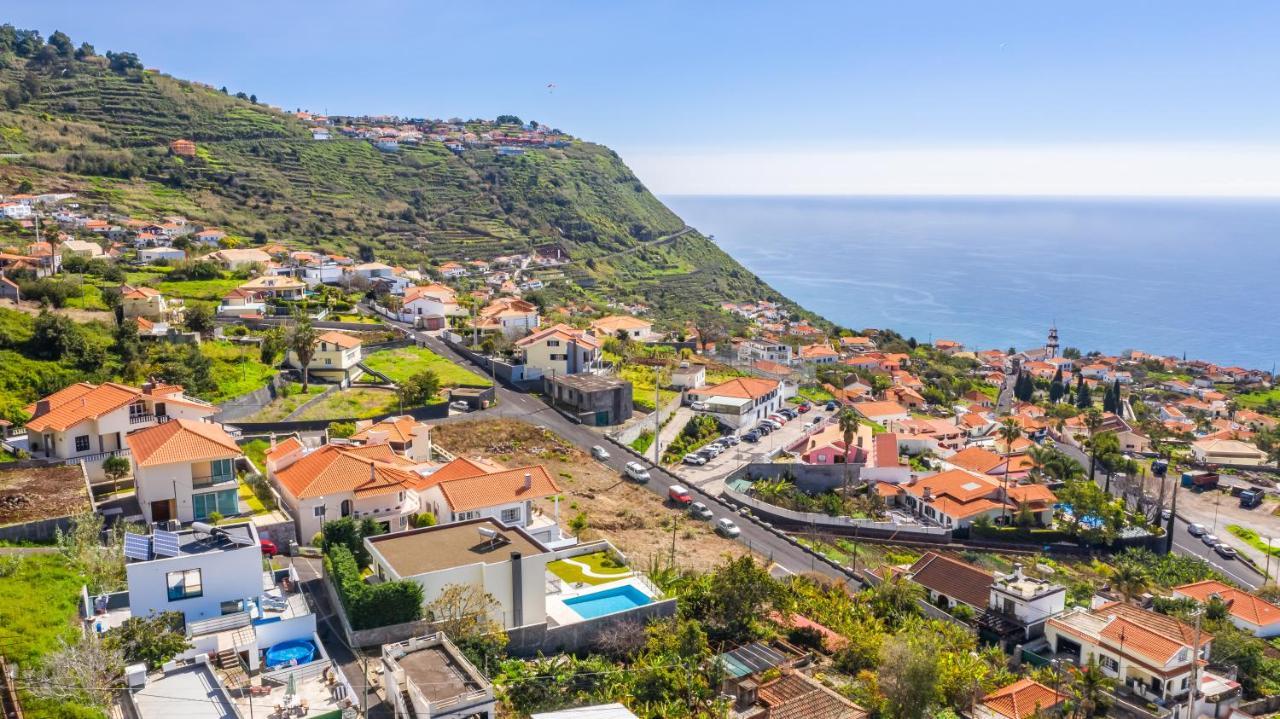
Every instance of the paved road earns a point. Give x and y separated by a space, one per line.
1183 542
531 409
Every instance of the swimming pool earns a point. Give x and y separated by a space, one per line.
299 651
590 606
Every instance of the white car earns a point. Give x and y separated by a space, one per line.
599 453
698 406
637 472
1210 540
694 459
726 528
460 405
1196 529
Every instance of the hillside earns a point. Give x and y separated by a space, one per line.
101 128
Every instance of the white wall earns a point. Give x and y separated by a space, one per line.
225 575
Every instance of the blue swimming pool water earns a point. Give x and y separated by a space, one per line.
299 650
590 606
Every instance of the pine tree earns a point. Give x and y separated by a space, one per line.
1084 400
1056 390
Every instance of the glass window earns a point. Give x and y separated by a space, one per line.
160 410
185 584
82 443
318 510
511 516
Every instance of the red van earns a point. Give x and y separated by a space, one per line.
679 495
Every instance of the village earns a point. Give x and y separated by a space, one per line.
402 491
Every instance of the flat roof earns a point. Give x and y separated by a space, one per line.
431 549
191 692
588 382
437 675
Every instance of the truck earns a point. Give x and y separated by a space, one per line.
1200 480
1251 498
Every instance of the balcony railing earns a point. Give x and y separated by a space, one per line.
211 480
140 418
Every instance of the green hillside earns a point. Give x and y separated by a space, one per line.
101 127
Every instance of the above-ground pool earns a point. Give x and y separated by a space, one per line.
299 651
590 606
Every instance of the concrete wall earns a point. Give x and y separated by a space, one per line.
825 521
813 478
247 404
531 640
435 411
629 433
41 530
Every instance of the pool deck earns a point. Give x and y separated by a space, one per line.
560 614
312 689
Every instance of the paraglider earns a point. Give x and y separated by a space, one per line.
551 88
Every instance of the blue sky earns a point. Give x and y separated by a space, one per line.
973 97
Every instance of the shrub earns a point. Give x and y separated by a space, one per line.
371 605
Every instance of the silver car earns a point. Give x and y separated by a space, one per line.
698 510
599 453
726 528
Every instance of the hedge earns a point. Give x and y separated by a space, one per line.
1022 534
371 605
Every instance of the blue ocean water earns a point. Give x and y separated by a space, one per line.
1167 276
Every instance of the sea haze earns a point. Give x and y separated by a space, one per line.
1167 276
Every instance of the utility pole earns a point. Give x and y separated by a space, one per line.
675 525
657 431
1195 666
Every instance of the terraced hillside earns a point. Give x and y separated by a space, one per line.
102 129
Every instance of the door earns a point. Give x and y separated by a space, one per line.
345 509
162 511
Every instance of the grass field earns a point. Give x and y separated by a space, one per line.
403 363
256 451
641 379
283 405
600 563
358 402
1254 400
206 290
236 369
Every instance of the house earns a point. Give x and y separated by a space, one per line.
284 288
511 316
336 358
1228 452
152 255
905 396
452 270
241 303
335 481
405 435
1019 606
857 344
753 350
1248 611
614 325
598 711
595 400
234 259
184 470
465 489
90 421
81 248
369 271
428 677
741 401
319 133
688 376
1023 699
1149 654
882 413
559 350
949 582
15 210
820 353
948 347
956 498
790 695
826 446
210 236
147 303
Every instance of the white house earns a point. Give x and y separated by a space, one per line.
754 350
428 305
510 316
1249 612
15 210
90 421
81 248
336 358
234 259
634 327
741 401
462 490
161 254
1021 605
559 350
1229 452
185 470
416 687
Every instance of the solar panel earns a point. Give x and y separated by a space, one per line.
166 543
137 546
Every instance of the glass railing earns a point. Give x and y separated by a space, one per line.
209 480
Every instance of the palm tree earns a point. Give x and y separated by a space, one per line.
1088 685
1010 431
302 341
1093 422
849 422
1130 580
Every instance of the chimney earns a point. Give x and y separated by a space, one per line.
747 694
928 494
517 591
273 442
528 481
1017 572
148 387
42 407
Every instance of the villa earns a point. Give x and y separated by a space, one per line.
336 358
634 327
184 470
741 401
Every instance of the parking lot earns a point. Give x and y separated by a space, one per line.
710 476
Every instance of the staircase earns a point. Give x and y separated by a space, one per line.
232 672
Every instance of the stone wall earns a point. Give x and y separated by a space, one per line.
811 478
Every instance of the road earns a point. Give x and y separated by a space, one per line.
526 407
1183 543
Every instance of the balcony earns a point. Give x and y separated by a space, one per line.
140 418
203 481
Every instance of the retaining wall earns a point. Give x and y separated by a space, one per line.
249 403
435 411
811 478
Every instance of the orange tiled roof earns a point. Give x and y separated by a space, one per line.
331 469
181 440
741 387
976 459
561 331
613 323
1244 606
341 339
1024 698
498 488
72 405
292 444
398 429
871 410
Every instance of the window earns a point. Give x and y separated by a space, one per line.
1109 663
184 585
511 516
230 607
318 510
559 357
82 443
403 522
553 343
161 411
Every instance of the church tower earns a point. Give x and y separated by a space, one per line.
1051 347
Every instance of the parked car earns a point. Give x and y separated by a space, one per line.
810 425
698 510
730 440
1210 540
788 413
698 406
599 453
726 528
1165 514
765 427
460 405
751 437
694 459
1196 529
804 408
679 495
771 423
777 418
636 471
712 449
1225 551
832 405
269 548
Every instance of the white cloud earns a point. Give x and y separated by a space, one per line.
1207 170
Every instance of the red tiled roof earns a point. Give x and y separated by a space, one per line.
741 387
181 440
1244 606
72 405
953 578
489 490
331 469
976 459
1024 698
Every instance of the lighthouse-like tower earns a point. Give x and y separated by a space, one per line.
1051 347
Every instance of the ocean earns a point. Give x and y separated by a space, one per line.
1170 276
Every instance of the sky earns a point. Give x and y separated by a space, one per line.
927 97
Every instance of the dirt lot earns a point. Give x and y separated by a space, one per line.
79 315
41 493
634 519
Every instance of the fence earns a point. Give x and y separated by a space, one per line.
828 523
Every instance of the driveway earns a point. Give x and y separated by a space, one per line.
710 477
